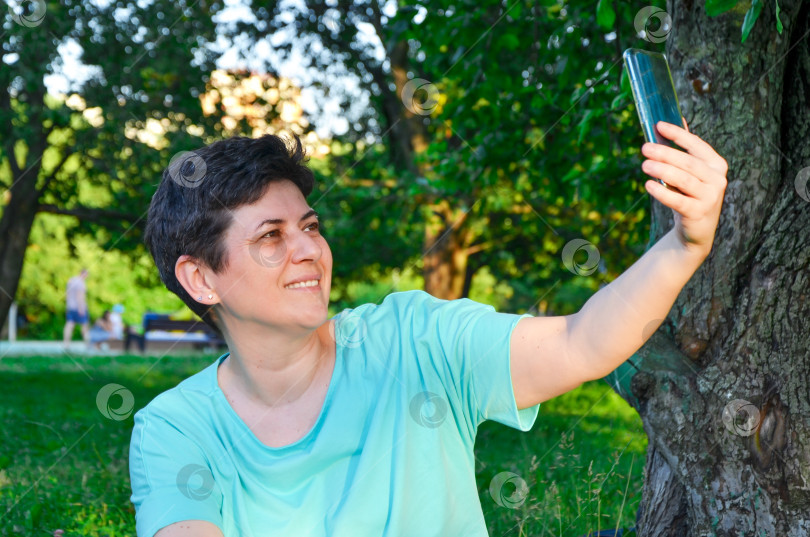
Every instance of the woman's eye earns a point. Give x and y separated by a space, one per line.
276 233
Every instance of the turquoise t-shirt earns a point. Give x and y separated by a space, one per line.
391 452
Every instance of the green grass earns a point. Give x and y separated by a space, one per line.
64 465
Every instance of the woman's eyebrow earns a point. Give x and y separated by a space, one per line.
309 213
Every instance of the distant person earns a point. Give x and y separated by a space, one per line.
117 321
124 331
103 329
76 302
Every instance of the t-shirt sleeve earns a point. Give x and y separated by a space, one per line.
468 345
171 477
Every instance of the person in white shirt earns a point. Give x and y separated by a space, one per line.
117 322
76 306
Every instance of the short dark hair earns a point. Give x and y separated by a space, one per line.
191 209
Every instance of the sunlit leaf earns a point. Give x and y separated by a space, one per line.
779 26
605 15
751 18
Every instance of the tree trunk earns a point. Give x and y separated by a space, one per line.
722 387
469 272
445 257
446 240
667 517
15 227
405 132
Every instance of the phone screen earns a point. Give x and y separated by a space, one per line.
653 92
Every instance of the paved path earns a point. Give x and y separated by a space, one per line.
51 348
78 348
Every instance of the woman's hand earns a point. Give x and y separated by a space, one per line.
699 174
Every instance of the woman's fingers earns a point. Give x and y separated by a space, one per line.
698 173
684 161
674 200
694 145
687 183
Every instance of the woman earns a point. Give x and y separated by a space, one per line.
102 330
362 424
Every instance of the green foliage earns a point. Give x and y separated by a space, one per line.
64 466
779 26
605 15
149 61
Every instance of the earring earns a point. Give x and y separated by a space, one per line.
210 297
199 298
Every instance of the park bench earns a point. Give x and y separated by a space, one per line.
161 329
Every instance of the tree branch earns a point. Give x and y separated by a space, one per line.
65 157
475 248
12 160
481 246
376 21
5 104
88 214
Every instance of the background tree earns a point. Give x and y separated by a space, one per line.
143 62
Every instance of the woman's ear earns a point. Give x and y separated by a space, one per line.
191 275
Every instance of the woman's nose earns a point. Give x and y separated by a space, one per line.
304 247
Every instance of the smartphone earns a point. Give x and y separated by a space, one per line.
653 93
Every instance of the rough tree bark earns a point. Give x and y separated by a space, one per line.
740 330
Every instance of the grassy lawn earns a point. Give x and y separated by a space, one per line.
63 465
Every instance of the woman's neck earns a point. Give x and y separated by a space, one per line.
277 370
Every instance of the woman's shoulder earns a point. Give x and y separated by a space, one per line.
186 401
390 312
397 300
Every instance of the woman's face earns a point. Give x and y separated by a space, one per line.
270 245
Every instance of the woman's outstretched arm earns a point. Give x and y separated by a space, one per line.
552 355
